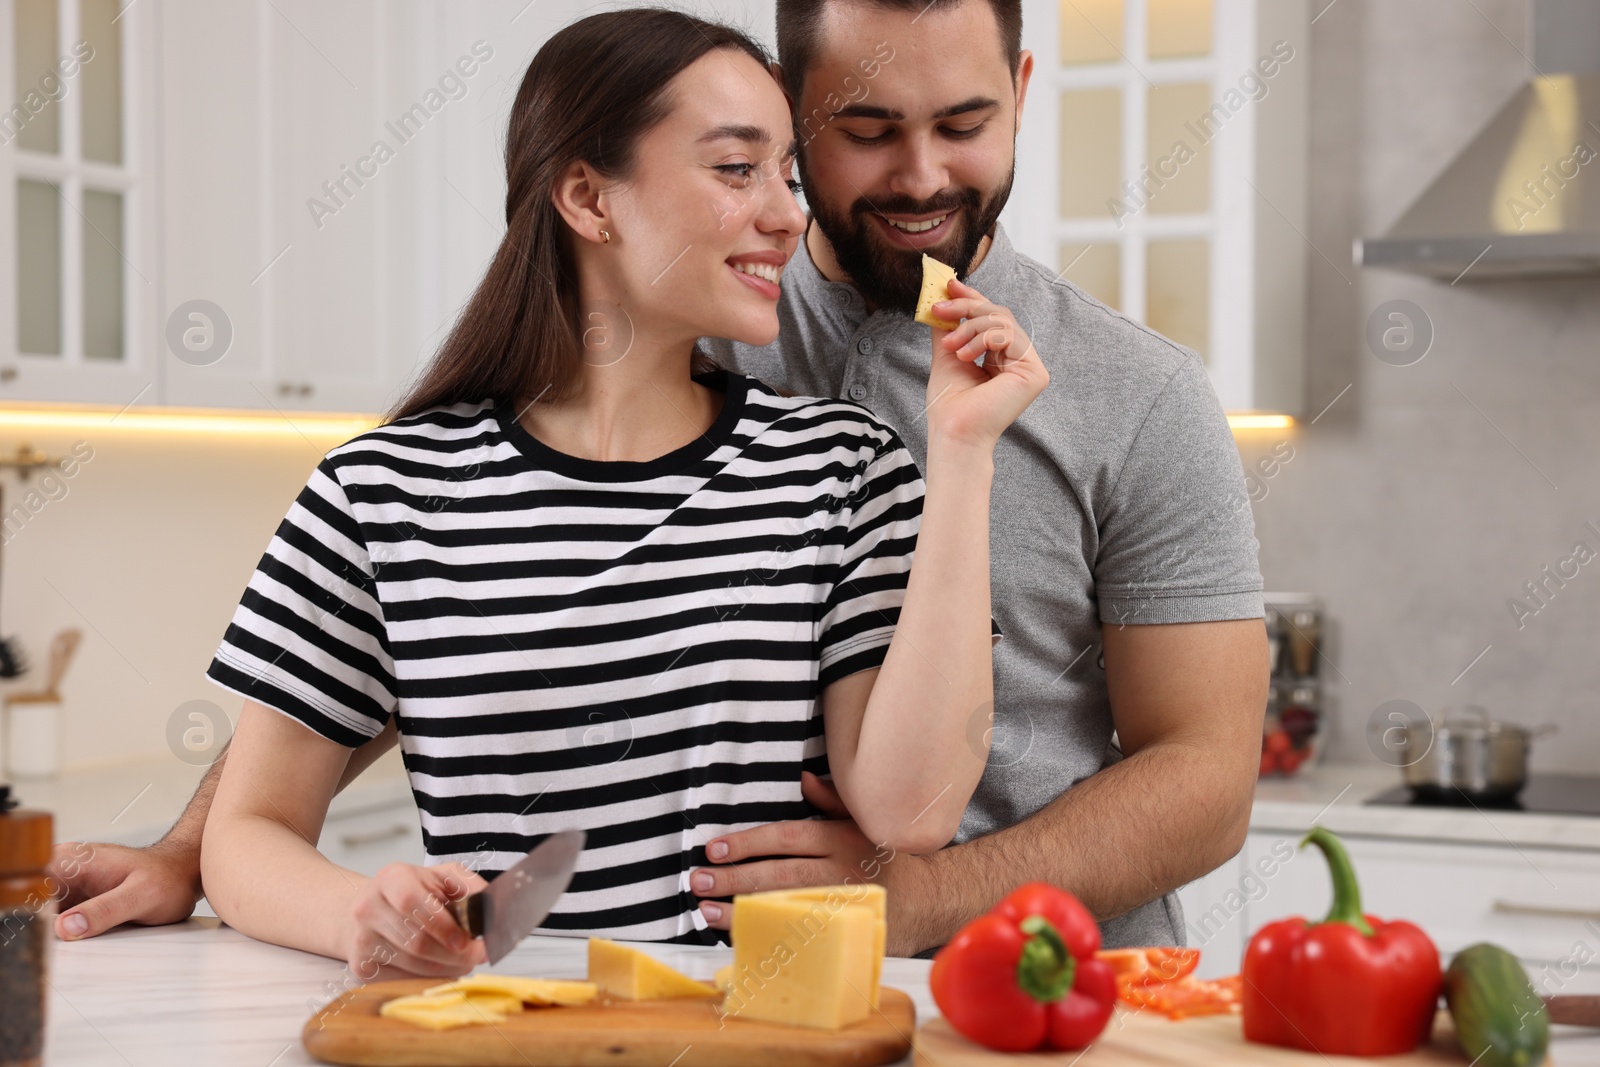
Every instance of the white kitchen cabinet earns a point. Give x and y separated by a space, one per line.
267 212
80 270
1213 918
1161 166
216 182
319 185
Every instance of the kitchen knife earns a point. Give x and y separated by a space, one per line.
1574 1010
517 901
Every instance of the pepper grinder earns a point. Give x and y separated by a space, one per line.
27 913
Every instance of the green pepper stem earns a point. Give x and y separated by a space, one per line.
1045 969
1346 892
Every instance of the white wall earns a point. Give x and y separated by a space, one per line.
147 552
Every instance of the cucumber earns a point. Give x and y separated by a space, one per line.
1500 1021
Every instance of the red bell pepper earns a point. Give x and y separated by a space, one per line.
1351 985
1024 976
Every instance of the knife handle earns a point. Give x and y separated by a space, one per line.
468 913
1574 1010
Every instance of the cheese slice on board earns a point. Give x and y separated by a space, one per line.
805 958
446 1011
538 991
936 278
630 974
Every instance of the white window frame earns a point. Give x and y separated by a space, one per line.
1255 322
69 376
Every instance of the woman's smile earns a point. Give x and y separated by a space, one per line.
759 270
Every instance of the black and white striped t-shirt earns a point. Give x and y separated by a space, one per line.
633 649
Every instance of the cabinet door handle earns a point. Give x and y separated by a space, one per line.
374 836
8 374
1507 907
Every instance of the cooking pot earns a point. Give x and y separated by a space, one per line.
1466 753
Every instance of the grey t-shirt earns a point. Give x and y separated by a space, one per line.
1118 498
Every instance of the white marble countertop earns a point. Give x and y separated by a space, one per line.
203 993
200 992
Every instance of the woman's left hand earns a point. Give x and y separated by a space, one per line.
972 403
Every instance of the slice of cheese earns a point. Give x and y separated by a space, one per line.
630 974
807 957
936 278
496 1002
426 999
538 991
446 1011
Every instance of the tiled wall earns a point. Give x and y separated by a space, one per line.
1426 496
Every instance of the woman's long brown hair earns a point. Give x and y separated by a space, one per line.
591 92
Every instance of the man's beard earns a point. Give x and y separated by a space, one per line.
891 277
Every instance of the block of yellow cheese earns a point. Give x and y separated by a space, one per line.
539 991
805 958
936 279
630 974
871 896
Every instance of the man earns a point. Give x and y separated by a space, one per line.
1118 493
1124 561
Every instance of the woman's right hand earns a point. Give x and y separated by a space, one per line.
971 403
402 920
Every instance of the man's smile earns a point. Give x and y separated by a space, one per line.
914 233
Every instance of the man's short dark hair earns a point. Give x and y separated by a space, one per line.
800 30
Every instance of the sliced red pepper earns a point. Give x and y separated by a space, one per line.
1161 979
1351 985
1024 976
1185 998
1152 964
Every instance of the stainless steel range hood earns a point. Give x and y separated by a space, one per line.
1523 199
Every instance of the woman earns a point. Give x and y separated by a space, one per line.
595 583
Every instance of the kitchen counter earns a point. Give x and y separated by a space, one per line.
1334 795
201 992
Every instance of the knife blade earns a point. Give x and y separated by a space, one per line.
517 901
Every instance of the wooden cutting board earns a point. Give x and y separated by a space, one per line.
682 1033
1149 1040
